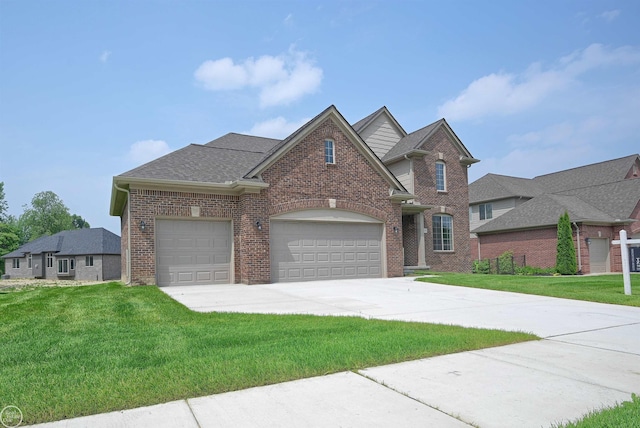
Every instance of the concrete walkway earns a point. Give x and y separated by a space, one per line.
589 358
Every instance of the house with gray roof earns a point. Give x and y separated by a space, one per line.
332 200
521 215
79 254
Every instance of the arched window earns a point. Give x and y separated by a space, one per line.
442 228
441 176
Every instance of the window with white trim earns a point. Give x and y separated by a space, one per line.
486 211
49 260
65 266
442 226
88 261
29 261
329 152
441 176
16 264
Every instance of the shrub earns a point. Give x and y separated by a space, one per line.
566 253
481 266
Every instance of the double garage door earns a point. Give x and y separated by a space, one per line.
193 252
308 250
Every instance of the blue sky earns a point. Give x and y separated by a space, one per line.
91 89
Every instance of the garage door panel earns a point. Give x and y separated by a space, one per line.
193 252
322 250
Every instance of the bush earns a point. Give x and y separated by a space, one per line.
481 266
534 271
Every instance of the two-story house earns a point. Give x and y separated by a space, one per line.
330 201
521 215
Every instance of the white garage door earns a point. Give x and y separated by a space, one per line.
307 250
599 255
193 252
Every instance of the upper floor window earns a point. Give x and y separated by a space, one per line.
329 152
442 226
441 176
486 211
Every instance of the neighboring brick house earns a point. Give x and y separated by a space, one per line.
81 254
323 203
521 215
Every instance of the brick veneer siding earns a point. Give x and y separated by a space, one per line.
539 245
149 205
300 179
455 200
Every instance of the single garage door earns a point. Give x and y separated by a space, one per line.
599 255
307 250
193 252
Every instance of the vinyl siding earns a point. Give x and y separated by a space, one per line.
499 207
403 172
381 135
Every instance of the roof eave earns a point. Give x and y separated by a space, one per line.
467 161
235 187
415 153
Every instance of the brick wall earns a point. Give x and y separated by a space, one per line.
147 205
302 180
539 245
455 200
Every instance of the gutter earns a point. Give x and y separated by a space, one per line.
128 255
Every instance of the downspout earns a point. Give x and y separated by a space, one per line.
578 242
128 255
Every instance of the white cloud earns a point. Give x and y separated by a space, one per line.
509 93
288 21
280 80
610 15
104 56
278 127
147 150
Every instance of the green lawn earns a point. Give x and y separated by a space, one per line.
624 415
76 351
603 288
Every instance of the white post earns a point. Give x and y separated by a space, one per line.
624 252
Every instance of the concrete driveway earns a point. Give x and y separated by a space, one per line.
589 358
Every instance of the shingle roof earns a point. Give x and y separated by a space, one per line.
593 193
199 163
247 143
411 142
493 186
589 175
545 210
71 243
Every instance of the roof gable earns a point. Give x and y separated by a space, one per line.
413 141
330 113
362 125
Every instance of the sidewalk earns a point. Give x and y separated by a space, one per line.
590 358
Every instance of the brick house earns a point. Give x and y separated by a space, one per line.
521 215
330 201
82 254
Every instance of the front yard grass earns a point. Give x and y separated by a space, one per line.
74 351
602 288
625 414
